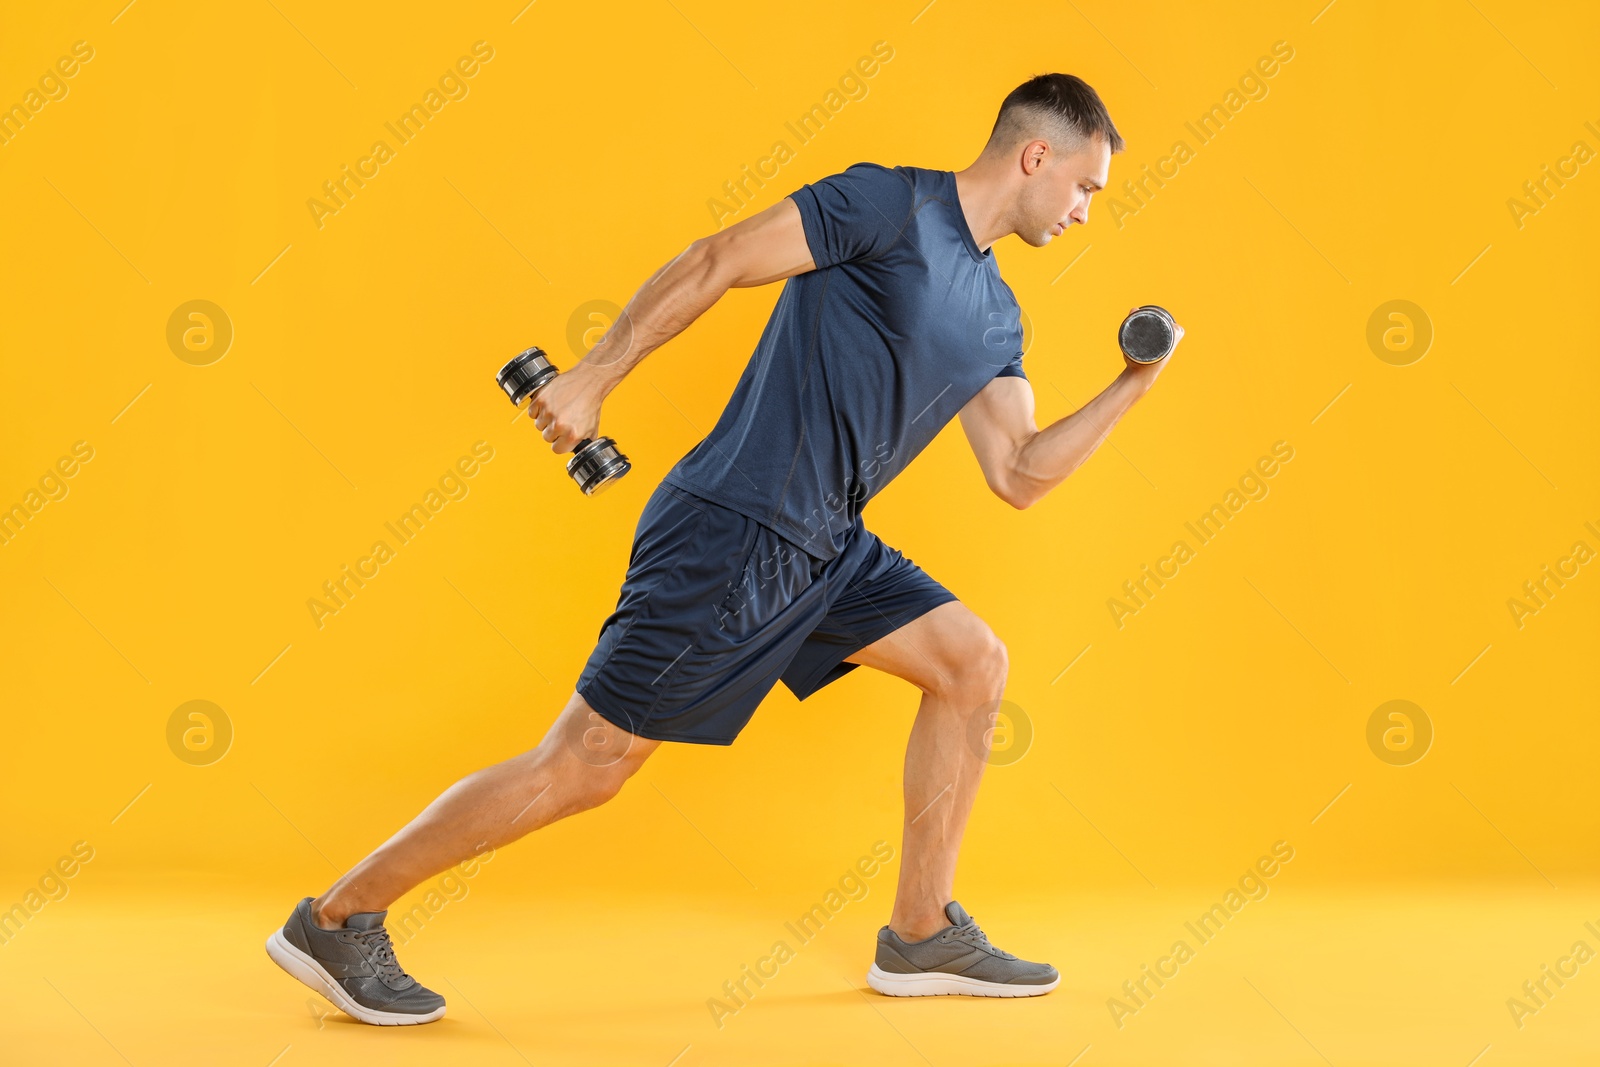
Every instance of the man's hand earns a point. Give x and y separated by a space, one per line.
568 409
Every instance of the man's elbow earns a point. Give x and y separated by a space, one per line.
707 258
722 260
1022 502
1016 492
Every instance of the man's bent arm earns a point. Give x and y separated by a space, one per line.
766 247
1021 462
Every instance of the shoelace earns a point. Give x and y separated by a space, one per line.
380 950
971 933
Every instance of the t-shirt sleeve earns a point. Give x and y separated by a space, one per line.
1013 369
858 213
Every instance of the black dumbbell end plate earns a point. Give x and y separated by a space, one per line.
1148 335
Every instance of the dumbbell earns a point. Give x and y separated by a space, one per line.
595 463
1148 334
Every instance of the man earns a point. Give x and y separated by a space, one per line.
751 564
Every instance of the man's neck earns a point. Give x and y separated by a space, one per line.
983 203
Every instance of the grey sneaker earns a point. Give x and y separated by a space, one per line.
956 961
354 967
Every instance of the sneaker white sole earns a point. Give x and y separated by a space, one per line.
309 971
935 984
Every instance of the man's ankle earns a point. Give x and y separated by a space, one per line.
327 914
918 928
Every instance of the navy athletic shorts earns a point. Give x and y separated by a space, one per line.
716 609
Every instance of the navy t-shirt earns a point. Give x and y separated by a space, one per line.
863 361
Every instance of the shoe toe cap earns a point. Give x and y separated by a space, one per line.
418 1000
1036 974
373 994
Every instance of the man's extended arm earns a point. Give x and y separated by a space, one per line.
1021 462
766 247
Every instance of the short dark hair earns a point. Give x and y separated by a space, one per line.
1061 99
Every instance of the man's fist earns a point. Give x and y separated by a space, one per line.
568 409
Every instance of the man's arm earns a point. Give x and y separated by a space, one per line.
766 247
1021 462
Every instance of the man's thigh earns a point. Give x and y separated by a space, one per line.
928 651
874 593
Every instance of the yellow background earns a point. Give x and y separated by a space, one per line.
1223 717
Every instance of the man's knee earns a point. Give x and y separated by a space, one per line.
990 663
598 755
605 779
971 658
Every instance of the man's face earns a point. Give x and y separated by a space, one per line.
1060 189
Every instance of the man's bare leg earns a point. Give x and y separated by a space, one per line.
960 666
581 763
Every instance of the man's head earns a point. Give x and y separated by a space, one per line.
1053 142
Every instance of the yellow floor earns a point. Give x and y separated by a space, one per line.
1411 977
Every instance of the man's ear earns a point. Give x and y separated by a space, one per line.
1035 155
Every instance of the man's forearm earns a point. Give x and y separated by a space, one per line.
1047 457
664 306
